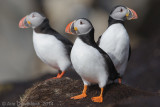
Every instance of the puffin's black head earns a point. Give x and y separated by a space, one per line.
123 13
32 20
79 27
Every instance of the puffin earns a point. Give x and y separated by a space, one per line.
50 46
115 40
93 65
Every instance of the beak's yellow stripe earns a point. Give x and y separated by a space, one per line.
29 22
127 14
75 28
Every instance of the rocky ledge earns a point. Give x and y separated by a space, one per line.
57 92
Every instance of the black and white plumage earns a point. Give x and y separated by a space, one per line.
115 40
50 46
92 64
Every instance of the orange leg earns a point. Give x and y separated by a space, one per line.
59 75
98 99
81 95
120 80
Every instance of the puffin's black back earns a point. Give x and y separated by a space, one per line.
89 39
45 28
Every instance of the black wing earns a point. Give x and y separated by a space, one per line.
129 56
113 74
67 43
99 39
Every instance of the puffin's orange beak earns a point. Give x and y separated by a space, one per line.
70 28
131 14
23 23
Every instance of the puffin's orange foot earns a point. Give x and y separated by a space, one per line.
98 99
119 80
59 75
83 95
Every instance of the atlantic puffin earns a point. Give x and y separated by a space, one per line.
115 40
92 64
50 46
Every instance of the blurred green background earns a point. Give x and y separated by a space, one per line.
20 67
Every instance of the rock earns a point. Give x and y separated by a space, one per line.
152 101
57 92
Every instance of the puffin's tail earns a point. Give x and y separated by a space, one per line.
114 75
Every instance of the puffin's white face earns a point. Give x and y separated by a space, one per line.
79 27
35 19
123 13
82 26
119 13
32 20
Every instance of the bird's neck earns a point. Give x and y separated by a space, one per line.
88 38
45 28
44 25
112 21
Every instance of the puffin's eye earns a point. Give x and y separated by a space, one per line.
33 15
81 22
121 10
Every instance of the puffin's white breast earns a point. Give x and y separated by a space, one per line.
88 63
115 42
50 50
